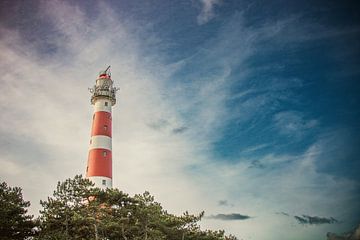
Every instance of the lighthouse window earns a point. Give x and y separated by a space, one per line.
104 182
105 127
106 104
104 153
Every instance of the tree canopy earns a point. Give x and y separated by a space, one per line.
14 222
77 210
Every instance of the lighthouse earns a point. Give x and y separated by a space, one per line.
99 165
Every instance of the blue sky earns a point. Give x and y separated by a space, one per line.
247 110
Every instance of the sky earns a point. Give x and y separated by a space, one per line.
247 110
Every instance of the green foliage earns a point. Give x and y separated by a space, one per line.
77 210
68 212
14 223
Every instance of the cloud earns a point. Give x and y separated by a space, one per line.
48 115
293 123
207 10
315 220
179 130
283 213
158 147
229 217
310 220
256 164
225 203
159 125
165 125
352 235
284 183
255 148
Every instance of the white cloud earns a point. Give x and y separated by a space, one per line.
296 187
255 148
207 10
47 103
293 123
48 116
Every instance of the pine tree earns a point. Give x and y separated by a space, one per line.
14 221
77 210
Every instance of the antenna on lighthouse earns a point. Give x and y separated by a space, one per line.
107 71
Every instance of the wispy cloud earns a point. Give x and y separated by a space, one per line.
351 235
314 220
164 125
310 220
229 217
256 164
158 147
48 107
293 123
255 148
179 130
296 181
283 213
225 203
158 125
207 10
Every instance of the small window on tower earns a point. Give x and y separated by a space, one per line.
104 182
105 127
94 116
106 104
104 153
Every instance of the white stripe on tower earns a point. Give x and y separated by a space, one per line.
100 141
99 168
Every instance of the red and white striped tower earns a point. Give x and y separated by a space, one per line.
99 167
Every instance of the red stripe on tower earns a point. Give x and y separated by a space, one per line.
99 167
101 124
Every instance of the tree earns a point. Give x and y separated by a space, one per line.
14 222
78 210
68 214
